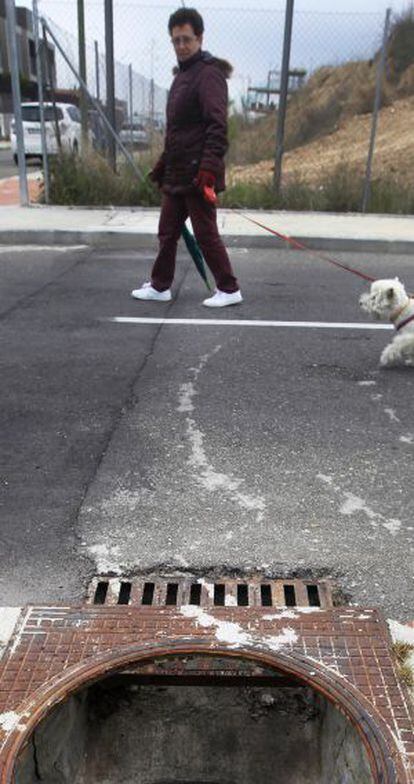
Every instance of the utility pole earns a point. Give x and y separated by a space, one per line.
110 79
83 100
17 100
284 87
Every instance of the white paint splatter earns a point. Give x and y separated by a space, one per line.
231 633
352 504
10 720
234 635
401 632
291 613
401 748
114 588
179 559
8 620
325 478
209 586
125 501
288 636
392 415
393 526
206 475
186 395
105 556
408 439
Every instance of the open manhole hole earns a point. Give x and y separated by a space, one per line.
195 720
202 592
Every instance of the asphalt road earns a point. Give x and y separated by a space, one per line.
130 447
8 167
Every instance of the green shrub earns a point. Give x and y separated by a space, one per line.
89 180
340 192
401 42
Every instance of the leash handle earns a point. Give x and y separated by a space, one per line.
210 195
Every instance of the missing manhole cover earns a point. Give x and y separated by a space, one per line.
224 592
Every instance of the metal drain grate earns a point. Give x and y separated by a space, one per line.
178 591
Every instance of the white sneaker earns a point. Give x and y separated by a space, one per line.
148 292
222 298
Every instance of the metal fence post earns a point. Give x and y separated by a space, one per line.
111 131
284 86
110 78
17 108
98 86
83 101
51 86
377 101
39 73
131 109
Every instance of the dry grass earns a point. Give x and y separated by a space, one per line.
331 97
402 652
347 146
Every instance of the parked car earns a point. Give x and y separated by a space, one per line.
134 133
68 117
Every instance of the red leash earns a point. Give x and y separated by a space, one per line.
301 246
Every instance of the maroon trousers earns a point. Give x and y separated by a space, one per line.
174 212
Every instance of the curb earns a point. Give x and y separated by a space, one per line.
125 240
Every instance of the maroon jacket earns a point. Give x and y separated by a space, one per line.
196 135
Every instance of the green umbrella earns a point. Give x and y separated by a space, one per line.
196 254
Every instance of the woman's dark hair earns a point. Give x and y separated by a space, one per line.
186 16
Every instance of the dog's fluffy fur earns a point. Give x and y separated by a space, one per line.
388 300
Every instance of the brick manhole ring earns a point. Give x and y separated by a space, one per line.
274 653
204 592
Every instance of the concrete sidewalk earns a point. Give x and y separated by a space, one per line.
136 228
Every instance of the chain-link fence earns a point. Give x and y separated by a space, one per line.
333 75
251 39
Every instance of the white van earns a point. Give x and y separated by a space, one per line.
69 120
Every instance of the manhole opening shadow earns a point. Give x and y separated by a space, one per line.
196 719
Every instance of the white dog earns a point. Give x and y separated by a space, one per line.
389 300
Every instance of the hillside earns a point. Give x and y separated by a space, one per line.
329 119
394 149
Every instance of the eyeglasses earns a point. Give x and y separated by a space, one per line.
182 39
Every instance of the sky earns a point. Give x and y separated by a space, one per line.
249 35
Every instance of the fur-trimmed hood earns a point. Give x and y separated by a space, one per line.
225 67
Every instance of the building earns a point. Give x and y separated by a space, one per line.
26 52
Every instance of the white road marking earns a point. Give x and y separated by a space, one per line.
248 323
40 248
